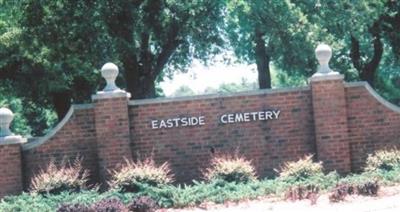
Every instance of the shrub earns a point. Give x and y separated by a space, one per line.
74 208
109 205
300 192
56 179
300 170
363 184
385 160
142 204
131 176
340 192
230 169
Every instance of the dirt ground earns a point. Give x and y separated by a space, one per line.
388 200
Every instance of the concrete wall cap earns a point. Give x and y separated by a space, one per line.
330 76
373 93
216 96
112 94
35 142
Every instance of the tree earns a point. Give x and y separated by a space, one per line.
271 31
183 90
150 35
362 29
61 43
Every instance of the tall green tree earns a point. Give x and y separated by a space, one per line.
362 30
263 32
61 42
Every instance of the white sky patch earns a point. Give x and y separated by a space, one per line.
199 77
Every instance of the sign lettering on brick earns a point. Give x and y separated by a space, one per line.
228 118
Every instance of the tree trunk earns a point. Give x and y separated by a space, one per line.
262 61
61 103
367 71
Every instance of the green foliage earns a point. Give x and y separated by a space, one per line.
385 160
109 205
184 90
362 184
131 176
301 170
230 169
71 177
142 204
30 119
73 208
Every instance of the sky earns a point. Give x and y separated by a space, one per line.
200 77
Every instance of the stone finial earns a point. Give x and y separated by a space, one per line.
6 136
6 117
323 53
109 72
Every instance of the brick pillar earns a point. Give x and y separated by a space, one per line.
10 156
10 169
330 115
112 124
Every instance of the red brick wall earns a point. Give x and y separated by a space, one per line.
76 137
330 118
372 125
10 169
112 130
267 143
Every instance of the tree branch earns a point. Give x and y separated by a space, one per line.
355 54
167 49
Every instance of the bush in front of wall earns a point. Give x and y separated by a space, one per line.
384 160
230 168
301 170
74 208
132 175
300 192
54 179
142 204
109 205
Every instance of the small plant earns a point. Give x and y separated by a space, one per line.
109 205
340 192
74 208
230 169
300 192
301 170
55 179
385 160
370 188
142 204
132 175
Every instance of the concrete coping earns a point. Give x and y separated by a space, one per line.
40 140
328 76
373 93
12 139
215 96
111 94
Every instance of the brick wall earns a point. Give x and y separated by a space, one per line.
341 123
372 124
188 149
112 131
330 118
76 137
10 169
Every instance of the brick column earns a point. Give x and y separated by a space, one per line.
330 115
10 156
112 124
10 169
